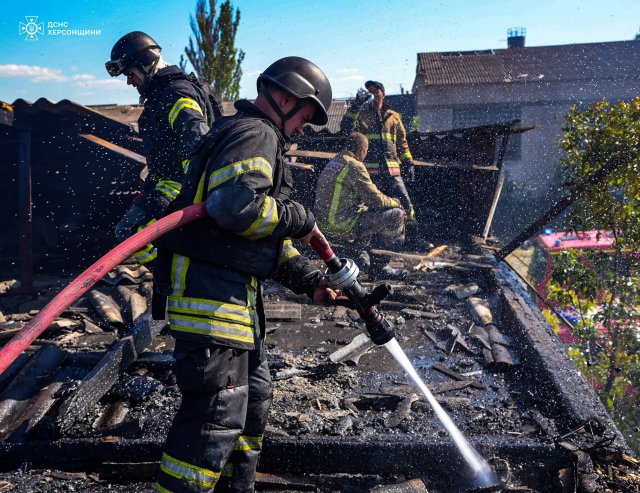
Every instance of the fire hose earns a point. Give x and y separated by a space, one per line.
342 274
92 275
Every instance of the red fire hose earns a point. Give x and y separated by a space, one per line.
92 275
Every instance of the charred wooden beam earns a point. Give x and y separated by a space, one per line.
99 380
34 409
388 454
558 382
134 156
26 384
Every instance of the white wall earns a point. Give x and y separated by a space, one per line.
543 104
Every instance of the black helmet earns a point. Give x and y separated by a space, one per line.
371 83
135 49
302 79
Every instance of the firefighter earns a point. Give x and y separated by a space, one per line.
387 147
178 111
349 206
215 268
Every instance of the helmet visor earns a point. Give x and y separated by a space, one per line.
115 67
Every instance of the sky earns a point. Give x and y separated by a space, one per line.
352 41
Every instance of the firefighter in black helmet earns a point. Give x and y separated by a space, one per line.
178 111
215 269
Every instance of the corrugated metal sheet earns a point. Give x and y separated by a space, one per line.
620 59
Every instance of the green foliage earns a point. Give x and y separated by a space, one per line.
214 57
604 287
415 124
603 134
605 293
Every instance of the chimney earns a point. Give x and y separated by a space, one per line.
515 37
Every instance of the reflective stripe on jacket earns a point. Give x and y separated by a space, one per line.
344 188
387 139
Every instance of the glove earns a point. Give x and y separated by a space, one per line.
409 172
362 95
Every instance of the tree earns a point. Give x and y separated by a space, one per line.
604 287
213 55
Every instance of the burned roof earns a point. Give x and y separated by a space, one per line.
620 59
345 417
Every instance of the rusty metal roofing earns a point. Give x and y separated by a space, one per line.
620 59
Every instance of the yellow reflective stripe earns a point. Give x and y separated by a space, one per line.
142 226
179 267
393 164
181 104
246 442
149 252
406 155
238 168
161 489
383 136
200 190
335 226
372 165
265 223
210 327
183 470
146 255
185 166
210 308
252 289
288 252
350 115
169 188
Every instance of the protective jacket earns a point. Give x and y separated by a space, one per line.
178 110
343 192
177 113
387 139
217 263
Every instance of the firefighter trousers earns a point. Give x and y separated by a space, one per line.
394 186
379 227
215 439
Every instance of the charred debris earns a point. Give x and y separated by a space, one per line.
87 406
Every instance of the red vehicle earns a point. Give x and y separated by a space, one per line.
545 249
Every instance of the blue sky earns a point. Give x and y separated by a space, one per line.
352 41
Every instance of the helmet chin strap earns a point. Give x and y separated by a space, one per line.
283 118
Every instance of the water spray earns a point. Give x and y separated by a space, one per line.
343 274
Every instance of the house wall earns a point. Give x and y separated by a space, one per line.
543 104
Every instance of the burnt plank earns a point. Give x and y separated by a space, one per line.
34 409
27 383
106 373
297 455
457 376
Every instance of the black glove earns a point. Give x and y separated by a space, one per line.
409 172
